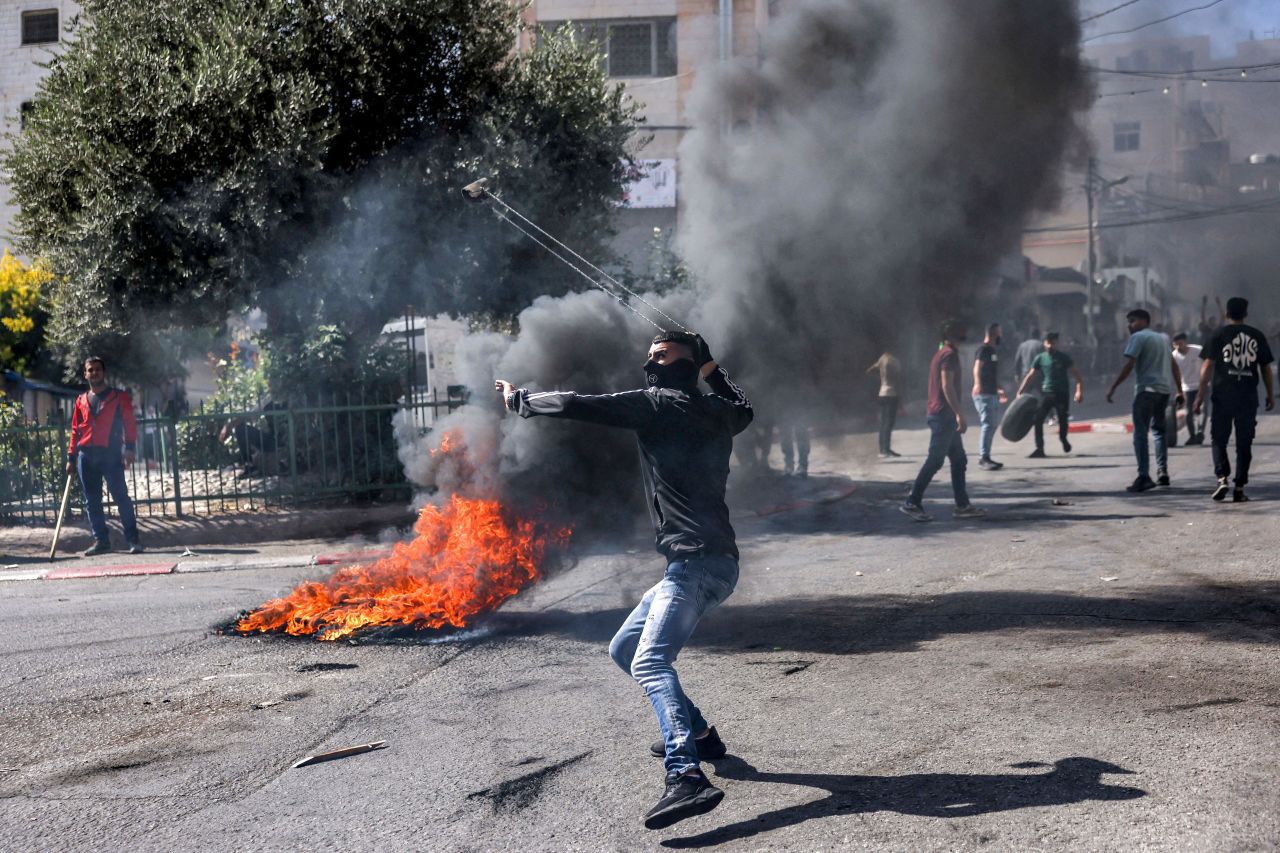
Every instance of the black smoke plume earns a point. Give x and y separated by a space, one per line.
847 194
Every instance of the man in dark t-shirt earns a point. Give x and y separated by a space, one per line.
1234 358
988 396
946 424
1053 366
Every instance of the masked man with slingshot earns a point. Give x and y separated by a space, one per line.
685 438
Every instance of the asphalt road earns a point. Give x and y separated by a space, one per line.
1082 670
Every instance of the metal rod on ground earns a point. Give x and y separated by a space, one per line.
479 189
62 512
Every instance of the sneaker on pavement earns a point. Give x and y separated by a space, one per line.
1238 496
915 511
969 511
710 747
98 548
136 548
1162 478
892 454
1195 439
1220 492
684 796
993 465
1038 453
1066 446
1141 484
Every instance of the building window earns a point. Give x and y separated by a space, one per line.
24 112
629 47
1128 135
40 27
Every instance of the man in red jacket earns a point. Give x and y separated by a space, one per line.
104 435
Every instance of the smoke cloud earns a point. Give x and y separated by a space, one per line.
877 164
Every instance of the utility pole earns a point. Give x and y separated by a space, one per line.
1093 259
1093 181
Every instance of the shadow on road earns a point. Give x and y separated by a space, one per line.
845 624
1071 780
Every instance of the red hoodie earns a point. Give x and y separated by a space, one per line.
112 426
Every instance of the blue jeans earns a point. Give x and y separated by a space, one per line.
647 644
988 406
944 443
1149 414
94 466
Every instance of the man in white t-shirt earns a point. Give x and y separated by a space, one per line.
1187 356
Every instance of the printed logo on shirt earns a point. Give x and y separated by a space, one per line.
1241 353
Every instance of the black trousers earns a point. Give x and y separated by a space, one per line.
1239 414
888 416
1059 402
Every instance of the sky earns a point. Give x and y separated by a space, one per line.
1228 21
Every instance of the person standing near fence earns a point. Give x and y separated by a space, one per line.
104 438
890 371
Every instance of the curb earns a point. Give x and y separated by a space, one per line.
190 566
351 557
1100 426
295 562
110 571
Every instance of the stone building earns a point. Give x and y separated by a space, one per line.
30 33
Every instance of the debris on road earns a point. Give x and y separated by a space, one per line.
187 552
339 753
1112 578
258 706
326 667
1061 502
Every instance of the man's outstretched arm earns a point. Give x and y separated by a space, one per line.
628 410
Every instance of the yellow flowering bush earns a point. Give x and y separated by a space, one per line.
21 310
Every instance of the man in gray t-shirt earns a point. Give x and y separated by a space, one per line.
1155 378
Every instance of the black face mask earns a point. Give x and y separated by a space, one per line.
681 374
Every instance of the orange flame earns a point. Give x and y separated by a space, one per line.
469 556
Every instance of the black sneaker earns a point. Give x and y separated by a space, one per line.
990 464
684 796
1141 484
1038 453
1162 478
1220 492
1195 439
892 454
1066 446
1238 496
709 746
98 548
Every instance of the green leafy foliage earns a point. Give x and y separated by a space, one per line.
183 161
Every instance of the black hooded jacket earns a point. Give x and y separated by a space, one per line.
685 442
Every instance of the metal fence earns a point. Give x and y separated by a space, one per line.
334 449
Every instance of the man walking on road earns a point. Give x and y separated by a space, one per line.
104 436
1052 366
1027 352
946 425
988 396
1187 356
890 371
1233 359
685 438
1155 376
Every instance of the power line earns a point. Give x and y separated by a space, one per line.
1186 71
1157 21
1107 12
1259 206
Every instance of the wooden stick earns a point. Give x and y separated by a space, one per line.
62 512
340 753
